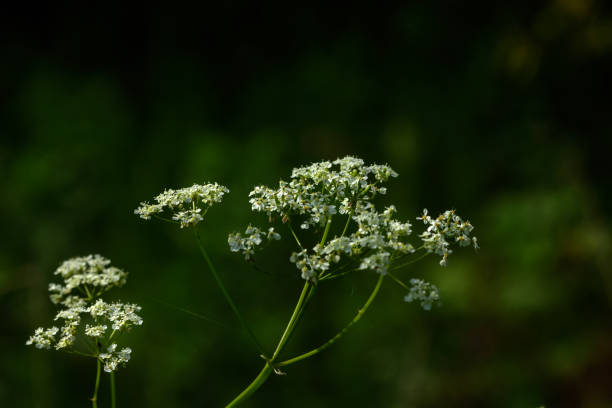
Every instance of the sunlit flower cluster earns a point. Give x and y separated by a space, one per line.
319 191
89 276
369 240
43 338
186 206
112 358
84 315
447 226
252 238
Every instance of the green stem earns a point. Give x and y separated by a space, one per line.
112 386
293 320
226 294
331 341
337 275
410 262
348 220
166 219
327 227
254 386
269 366
89 296
94 399
294 235
398 281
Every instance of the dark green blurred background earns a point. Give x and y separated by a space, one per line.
498 109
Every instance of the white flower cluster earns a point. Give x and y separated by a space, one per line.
121 315
446 226
113 358
88 276
423 292
252 238
345 188
321 190
318 192
43 338
377 238
186 205
91 275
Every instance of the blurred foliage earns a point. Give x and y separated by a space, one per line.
500 110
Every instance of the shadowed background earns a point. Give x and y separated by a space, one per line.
499 110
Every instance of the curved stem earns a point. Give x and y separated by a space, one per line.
112 387
331 341
94 398
293 320
254 386
226 294
265 372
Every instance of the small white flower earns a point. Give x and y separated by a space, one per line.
43 338
252 238
423 292
447 226
95 331
186 205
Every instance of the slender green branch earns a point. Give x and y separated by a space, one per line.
89 296
79 353
293 320
269 366
326 231
398 281
94 398
254 386
337 275
112 335
197 315
165 219
409 262
112 387
294 235
226 294
348 220
331 341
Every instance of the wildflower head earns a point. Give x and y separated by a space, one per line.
252 238
84 315
187 206
443 230
87 276
343 189
319 191
371 239
423 292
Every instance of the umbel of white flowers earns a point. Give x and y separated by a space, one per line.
187 206
84 315
347 187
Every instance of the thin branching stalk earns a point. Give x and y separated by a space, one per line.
94 398
226 294
331 341
269 366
